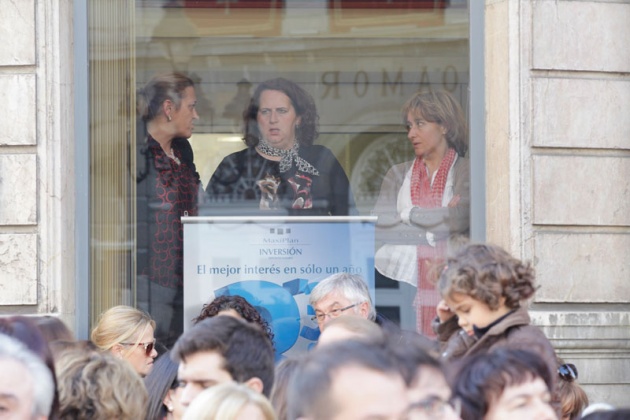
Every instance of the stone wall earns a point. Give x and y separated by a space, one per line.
36 159
558 177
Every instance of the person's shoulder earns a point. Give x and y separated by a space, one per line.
399 170
316 150
462 164
241 155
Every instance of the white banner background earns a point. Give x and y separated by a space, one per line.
273 262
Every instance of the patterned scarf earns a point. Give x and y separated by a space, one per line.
287 157
427 195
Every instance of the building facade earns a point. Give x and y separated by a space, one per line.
554 165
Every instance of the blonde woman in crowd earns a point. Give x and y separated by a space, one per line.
97 386
230 401
127 333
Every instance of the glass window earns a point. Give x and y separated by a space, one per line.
359 62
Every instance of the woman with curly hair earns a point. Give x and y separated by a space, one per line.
235 306
98 386
483 289
281 169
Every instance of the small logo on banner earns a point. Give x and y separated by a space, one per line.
279 231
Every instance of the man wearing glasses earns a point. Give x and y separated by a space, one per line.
341 294
344 294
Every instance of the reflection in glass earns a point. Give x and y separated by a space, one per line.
358 60
423 205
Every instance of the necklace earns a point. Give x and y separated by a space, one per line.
172 156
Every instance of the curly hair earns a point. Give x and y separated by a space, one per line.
238 303
302 102
94 385
487 273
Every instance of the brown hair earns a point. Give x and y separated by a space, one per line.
98 386
570 397
440 107
302 102
169 86
486 273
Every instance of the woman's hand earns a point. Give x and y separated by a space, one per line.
454 201
444 311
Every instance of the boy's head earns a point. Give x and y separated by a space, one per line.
483 283
489 274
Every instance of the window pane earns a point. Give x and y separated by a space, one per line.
360 61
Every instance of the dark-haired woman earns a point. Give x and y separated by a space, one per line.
163 390
237 306
168 186
280 169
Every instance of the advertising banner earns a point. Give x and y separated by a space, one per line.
274 262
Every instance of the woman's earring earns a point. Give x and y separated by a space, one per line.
169 407
168 117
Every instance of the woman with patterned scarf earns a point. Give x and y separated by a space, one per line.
280 170
423 205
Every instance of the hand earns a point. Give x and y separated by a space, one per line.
444 312
454 201
406 214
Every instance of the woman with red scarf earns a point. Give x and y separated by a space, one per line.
423 204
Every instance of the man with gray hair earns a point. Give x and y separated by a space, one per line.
341 294
26 384
344 294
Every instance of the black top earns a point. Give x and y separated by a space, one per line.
247 183
166 191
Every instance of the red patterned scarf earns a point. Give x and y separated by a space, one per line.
427 195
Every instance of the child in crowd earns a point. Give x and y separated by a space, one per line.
483 288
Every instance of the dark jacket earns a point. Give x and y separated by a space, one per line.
234 186
514 331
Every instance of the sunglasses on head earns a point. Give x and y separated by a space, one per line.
568 372
148 347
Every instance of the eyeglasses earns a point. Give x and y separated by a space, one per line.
433 408
321 317
568 372
148 347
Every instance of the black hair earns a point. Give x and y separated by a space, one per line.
482 378
161 379
302 102
245 348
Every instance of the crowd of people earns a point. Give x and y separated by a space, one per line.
474 355
488 362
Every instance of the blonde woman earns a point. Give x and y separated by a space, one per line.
230 401
127 333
